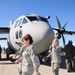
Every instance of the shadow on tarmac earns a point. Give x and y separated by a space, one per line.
47 63
6 61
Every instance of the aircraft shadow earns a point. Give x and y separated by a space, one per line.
6 61
47 63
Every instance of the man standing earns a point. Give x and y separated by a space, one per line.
68 49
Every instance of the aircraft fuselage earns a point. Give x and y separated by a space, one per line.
38 27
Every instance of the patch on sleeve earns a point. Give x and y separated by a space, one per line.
34 51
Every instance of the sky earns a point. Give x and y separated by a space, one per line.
64 9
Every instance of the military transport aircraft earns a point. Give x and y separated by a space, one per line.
38 27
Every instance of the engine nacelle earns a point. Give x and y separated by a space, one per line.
57 35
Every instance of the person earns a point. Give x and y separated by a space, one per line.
0 51
55 54
69 49
29 61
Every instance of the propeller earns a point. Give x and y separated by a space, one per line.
62 30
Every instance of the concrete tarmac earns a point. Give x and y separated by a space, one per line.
9 68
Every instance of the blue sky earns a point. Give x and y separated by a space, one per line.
64 9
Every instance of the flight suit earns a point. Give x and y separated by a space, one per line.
29 60
55 59
69 49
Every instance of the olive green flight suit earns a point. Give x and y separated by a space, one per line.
69 49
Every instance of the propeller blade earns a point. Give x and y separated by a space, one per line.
65 25
59 25
63 39
56 29
69 32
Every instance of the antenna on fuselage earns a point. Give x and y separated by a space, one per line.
47 17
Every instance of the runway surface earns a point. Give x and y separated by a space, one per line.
9 68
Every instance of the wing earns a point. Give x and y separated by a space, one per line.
3 38
4 30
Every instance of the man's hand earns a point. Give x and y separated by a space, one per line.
16 62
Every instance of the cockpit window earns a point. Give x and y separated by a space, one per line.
18 23
24 21
43 19
32 18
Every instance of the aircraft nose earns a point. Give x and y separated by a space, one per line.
43 37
